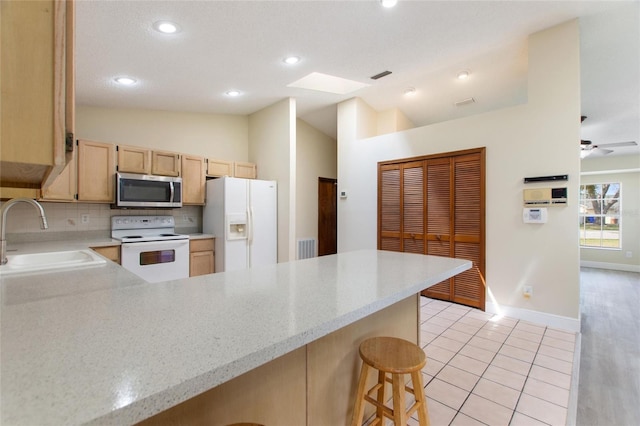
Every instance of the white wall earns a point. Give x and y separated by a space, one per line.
536 139
272 145
626 170
316 156
221 136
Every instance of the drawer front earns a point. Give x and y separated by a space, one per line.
201 245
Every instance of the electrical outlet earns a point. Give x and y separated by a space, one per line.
85 218
629 254
527 291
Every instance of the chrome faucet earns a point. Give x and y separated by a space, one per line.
3 222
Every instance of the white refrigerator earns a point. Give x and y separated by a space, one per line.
243 216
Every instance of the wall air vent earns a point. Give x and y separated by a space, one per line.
382 74
465 102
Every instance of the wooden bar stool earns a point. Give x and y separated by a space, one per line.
397 357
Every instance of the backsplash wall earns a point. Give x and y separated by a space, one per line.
77 220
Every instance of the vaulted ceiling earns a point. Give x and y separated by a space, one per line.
240 45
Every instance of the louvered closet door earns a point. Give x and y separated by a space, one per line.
468 228
439 219
435 205
389 217
413 207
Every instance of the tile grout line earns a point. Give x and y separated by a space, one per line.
502 344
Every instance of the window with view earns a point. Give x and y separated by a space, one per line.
600 215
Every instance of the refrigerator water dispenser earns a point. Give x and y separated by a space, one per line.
236 227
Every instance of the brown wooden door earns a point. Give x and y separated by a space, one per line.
327 216
439 219
435 205
468 221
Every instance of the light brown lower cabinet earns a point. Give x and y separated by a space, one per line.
201 257
110 252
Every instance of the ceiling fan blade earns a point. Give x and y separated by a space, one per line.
601 151
618 144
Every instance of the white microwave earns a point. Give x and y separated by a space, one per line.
148 191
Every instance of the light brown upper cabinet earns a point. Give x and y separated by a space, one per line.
436 205
165 163
96 171
64 187
218 168
37 93
244 170
193 179
133 159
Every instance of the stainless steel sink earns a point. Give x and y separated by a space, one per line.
23 263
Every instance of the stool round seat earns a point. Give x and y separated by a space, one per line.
397 358
392 355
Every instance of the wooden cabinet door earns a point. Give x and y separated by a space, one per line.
96 171
64 187
110 252
218 168
132 159
165 163
37 97
193 179
244 170
201 257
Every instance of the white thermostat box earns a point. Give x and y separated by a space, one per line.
534 215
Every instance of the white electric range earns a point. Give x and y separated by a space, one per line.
150 247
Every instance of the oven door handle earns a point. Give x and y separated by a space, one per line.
155 245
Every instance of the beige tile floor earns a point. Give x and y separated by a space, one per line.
483 370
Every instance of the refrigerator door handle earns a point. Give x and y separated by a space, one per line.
250 224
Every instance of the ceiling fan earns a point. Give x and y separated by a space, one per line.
587 147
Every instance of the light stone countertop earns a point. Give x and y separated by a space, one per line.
102 346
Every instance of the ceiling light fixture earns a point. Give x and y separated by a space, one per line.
410 91
166 27
125 81
463 75
388 3
291 60
233 93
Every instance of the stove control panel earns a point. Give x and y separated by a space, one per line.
142 222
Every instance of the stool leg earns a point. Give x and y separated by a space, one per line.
399 403
418 390
381 395
358 410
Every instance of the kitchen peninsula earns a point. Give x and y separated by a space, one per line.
102 346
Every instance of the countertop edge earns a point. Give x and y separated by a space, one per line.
154 404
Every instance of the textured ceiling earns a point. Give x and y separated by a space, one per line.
240 45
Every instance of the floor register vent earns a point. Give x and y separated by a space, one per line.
306 248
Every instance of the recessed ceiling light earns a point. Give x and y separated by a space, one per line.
125 81
410 91
291 60
233 93
463 75
388 3
166 27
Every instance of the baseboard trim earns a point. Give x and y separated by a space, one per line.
543 318
612 266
